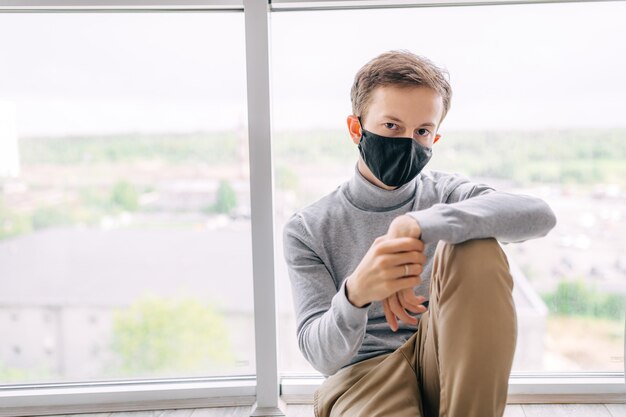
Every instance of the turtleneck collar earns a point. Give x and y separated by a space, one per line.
367 196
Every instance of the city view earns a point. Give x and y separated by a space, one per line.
113 247
125 212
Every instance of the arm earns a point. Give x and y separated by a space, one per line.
331 324
474 211
470 211
330 329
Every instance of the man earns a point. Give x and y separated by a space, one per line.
396 239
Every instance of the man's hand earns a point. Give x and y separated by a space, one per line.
397 304
404 226
383 270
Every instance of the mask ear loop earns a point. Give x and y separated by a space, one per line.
360 127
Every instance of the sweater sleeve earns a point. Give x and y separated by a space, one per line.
330 329
474 211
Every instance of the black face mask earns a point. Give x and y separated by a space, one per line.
394 161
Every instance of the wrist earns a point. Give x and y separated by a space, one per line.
413 225
405 225
352 293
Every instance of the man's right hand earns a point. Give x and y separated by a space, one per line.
382 270
395 304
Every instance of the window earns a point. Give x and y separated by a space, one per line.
124 197
536 108
126 214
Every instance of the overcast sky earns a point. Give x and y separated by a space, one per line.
523 67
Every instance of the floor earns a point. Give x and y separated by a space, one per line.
512 410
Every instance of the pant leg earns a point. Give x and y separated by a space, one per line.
471 317
468 336
384 386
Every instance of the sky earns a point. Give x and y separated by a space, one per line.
511 67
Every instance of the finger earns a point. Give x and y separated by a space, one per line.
411 297
401 258
422 309
413 270
400 244
409 301
397 309
380 238
413 308
402 283
391 319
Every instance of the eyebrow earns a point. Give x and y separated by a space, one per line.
395 119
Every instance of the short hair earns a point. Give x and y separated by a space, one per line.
398 68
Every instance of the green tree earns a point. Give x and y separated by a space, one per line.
125 196
13 223
574 298
49 216
24 374
226 199
158 335
9 374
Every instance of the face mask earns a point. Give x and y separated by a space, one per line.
394 161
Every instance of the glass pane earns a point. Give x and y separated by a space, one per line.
536 108
125 247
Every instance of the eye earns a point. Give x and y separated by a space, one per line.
390 125
423 132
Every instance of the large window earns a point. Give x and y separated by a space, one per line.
125 247
131 206
537 108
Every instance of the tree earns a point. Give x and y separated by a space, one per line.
226 199
574 298
125 196
159 335
49 216
13 223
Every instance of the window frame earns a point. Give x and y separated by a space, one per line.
42 6
268 390
300 5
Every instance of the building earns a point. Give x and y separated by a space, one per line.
67 298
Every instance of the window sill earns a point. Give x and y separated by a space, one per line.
523 389
48 399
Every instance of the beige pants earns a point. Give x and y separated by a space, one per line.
458 362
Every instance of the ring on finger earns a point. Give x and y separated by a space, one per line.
406 270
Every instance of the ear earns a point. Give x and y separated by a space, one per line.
354 128
437 137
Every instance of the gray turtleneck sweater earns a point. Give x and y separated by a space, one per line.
325 241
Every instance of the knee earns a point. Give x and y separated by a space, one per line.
475 251
478 258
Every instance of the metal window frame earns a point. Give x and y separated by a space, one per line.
267 392
261 198
43 6
111 396
304 5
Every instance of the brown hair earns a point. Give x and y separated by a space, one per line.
398 68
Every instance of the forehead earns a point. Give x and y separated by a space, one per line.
414 105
